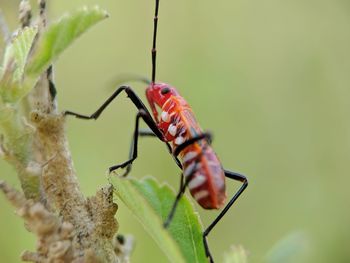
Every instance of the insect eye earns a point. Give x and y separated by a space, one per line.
165 91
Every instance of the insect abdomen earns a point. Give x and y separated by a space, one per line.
206 177
200 164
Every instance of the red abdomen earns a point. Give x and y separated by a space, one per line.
206 176
201 167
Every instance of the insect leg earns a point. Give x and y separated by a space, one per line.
133 151
189 177
234 176
177 199
142 132
149 133
133 146
182 189
136 101
146 132
205 135
98 112
145 115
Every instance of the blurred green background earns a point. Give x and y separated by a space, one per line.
269 78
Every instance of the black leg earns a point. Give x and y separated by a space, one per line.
134 98
142 132
205 135
177 199
133 151
145 133
182 189
143 112
98 112
183 184
234 176
140 106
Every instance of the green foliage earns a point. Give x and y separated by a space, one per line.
60 35
151 204
15 59
20 72
18 50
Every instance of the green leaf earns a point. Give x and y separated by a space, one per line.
15 58
237 254
151 204
60 35
17 52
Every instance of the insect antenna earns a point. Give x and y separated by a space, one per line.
154 50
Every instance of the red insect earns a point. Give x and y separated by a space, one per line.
201 167
177 127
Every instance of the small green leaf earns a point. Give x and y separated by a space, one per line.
18 50
14 62
237 254
60 35
151 204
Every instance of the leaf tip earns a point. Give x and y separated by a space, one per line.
103 11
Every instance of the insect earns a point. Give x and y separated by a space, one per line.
190 147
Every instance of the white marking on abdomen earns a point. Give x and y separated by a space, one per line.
197 180
189 169
172 129
179 140
201 194
188 156
165 116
